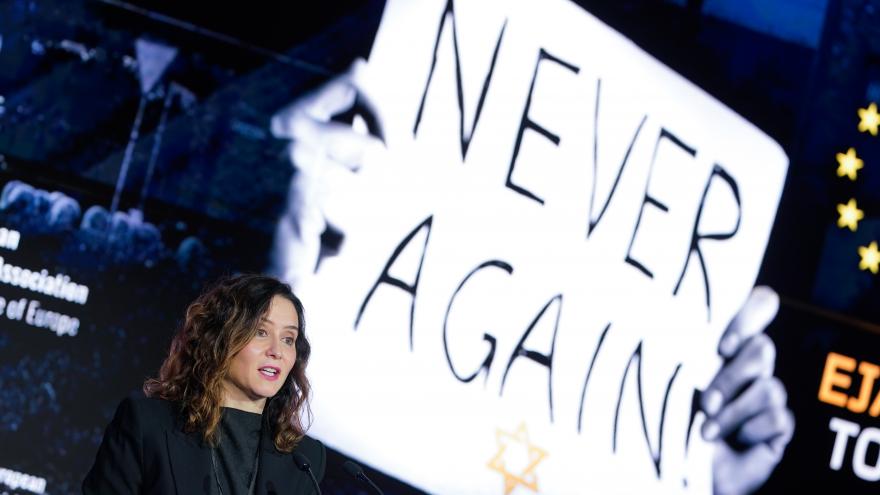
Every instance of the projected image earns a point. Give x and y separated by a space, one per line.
542 247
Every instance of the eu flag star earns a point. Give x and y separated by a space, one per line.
850 215
869 119
849 164
870 257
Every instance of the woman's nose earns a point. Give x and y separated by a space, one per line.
274 350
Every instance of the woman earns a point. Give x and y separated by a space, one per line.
225 415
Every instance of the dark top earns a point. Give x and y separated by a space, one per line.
146 451
237 450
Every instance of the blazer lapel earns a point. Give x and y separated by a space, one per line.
190 464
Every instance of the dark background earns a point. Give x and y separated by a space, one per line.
799 70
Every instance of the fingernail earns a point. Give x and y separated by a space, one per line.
712 400
728 345
710 430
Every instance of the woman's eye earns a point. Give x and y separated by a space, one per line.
262 333
289 341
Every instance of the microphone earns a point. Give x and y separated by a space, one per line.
355 471
302 462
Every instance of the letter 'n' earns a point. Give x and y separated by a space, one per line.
449 13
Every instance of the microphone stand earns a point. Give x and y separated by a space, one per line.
358 473
302 462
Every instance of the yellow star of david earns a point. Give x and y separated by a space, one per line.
849 164
527 476
870 257
869 119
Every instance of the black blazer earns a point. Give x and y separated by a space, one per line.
145 451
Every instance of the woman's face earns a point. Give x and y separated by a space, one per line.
260 369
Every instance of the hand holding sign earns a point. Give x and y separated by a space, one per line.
746 404
317 144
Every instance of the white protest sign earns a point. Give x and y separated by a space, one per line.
535 276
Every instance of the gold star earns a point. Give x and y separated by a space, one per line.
869 119
849 164
527 477
849 215
870 257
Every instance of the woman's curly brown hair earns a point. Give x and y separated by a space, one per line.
218 325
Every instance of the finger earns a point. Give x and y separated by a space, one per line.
294 257
331 98
305 212
763 395
297 238
756 359
779 443
317 133
365 81
346 145
773 426
335 96
757 312
336 143
745 472
306 159
760 459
